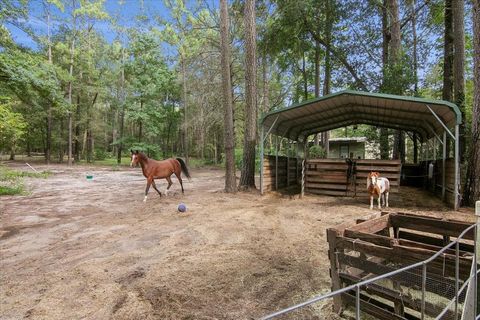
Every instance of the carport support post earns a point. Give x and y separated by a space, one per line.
262 151
302 187
297 147
288 163
443 163
276 163
457 168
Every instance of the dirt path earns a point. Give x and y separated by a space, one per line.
78 249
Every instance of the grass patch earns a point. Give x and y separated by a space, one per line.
11 190
11 181
8 175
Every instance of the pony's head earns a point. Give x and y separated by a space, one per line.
135 158
373 177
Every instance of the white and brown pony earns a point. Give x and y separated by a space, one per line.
378 186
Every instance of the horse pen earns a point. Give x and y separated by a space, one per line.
77 248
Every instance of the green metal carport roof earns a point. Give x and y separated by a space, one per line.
428 118
350 107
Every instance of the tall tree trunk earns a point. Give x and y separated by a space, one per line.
114 131
394 55
77 130
12 151
48 149
330 7
305 78
459 68
230 180
140 123
447 92
415 54
247 178
70 120
185 114
70 85
266 83
317 83
384 145
415 72
317 69
122 108
48 144
61 148
472 185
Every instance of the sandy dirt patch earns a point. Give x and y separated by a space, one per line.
78 249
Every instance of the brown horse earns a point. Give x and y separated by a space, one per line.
153 169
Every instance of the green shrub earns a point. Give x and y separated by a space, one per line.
100 154
317 152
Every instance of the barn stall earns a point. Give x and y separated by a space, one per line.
434 122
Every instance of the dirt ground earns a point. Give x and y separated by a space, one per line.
78 249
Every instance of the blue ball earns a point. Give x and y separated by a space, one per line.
182 207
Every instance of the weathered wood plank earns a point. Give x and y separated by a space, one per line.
389 242
326 192
465 247
381 169
378 162
426 224
328 180
372 225
311 185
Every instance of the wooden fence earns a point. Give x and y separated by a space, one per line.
289 172
434 184
384 243
337 177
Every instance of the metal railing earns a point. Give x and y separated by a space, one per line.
457 297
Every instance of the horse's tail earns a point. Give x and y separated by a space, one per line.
184 167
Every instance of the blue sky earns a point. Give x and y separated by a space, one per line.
125 10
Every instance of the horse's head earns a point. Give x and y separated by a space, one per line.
372 178
135 158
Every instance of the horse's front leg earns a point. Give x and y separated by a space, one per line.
386 199
379 199
149 182
371 202
155 187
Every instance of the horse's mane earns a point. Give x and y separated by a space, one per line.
142 155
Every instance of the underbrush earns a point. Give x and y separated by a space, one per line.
11 181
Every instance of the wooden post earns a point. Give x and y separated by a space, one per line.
332 256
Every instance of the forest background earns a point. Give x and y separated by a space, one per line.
88 80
